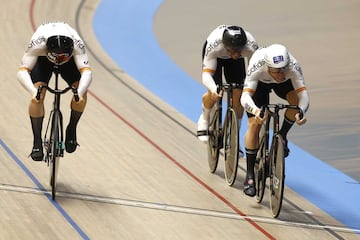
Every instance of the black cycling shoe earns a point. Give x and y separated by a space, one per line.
37 154
249 189
70 141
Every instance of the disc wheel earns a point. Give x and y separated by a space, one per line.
215 137
54 153
277 175
231 146
260 167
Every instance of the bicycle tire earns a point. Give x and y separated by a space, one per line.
277 175
215 137
54 148
231 146
260 166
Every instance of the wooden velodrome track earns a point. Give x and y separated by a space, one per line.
137 174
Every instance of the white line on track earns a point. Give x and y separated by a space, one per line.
173 208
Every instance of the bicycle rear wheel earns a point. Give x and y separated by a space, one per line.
260 166
55 152
231 146
277 175
215 137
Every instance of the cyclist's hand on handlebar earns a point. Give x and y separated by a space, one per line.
260 116
215 95
80 102
300 121
34 97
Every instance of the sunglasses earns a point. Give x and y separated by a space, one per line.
231 50
58 57
277 70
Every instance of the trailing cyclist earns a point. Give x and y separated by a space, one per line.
271 68
223 53
54 43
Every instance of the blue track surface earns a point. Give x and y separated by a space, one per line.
124 28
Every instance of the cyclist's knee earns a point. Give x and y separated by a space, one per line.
290 114
238 108
292 98
80 105
252 134
207 101
253 125
36 109
237 94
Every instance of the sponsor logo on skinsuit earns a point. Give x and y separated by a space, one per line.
35 42
212 46
255 67
253 44
296 66
78 43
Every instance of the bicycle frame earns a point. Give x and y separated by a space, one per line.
271 157
224 134
54 144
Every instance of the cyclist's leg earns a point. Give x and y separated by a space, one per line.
207 104
203 121
261 97
251 148
287 92
71 75
70 136
40 75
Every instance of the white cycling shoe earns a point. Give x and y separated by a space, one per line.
203 125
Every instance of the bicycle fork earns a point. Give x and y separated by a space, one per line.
59 146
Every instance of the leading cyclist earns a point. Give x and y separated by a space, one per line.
223 53
54 43
271 68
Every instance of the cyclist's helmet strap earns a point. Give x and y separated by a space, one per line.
234 38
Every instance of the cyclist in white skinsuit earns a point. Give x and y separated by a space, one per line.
271 68
223 53
54 43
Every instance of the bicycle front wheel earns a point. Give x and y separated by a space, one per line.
55 152
277 174
231 146
260 166
215 136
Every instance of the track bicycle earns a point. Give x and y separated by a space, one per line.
224 136
54 136
270 160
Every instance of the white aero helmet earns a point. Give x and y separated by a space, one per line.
276 56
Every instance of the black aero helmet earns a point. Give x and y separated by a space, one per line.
60 44
234 38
